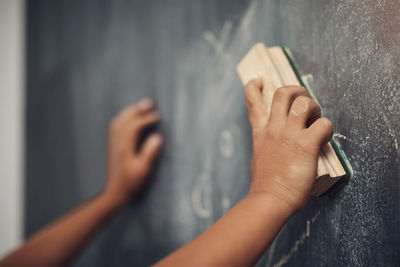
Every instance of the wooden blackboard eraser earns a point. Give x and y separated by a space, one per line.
276 68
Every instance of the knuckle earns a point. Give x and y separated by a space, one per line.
327 124
130 111
281 92
314 104
249 102
270 133
296 88
145 120
290 90
251 85
299 89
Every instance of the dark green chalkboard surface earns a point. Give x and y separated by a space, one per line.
88 59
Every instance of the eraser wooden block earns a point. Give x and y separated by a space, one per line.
274 68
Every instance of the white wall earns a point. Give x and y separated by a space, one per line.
11 122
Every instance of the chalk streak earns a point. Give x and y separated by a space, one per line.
395 141
272 249
342 136
306 234
248 15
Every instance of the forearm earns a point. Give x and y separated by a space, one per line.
58 242
239 238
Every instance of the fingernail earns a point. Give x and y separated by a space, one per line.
146 103
156 139
256 77
299 106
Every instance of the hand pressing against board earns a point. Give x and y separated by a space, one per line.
128 169
286 144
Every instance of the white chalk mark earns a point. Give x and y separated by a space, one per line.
226 203
271 250
247 17
271 253
226 146
211 39
202 191
219 44
355 71
306 234
395 141
202 196
307 79
342 136
226 30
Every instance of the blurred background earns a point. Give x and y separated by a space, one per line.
67 67
12 81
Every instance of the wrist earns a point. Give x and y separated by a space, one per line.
269 199
113 199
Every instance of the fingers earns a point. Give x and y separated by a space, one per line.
320 132
126 116
282 101
127 125
138 124
255 106
151 148
134 110
302 111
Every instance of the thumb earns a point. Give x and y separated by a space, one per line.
150 148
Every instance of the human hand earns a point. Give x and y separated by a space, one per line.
286 143
129 166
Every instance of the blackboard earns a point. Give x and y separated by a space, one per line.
88 59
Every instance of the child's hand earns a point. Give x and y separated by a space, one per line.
285 144
128 167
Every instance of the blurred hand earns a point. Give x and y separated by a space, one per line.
129 167
286 143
